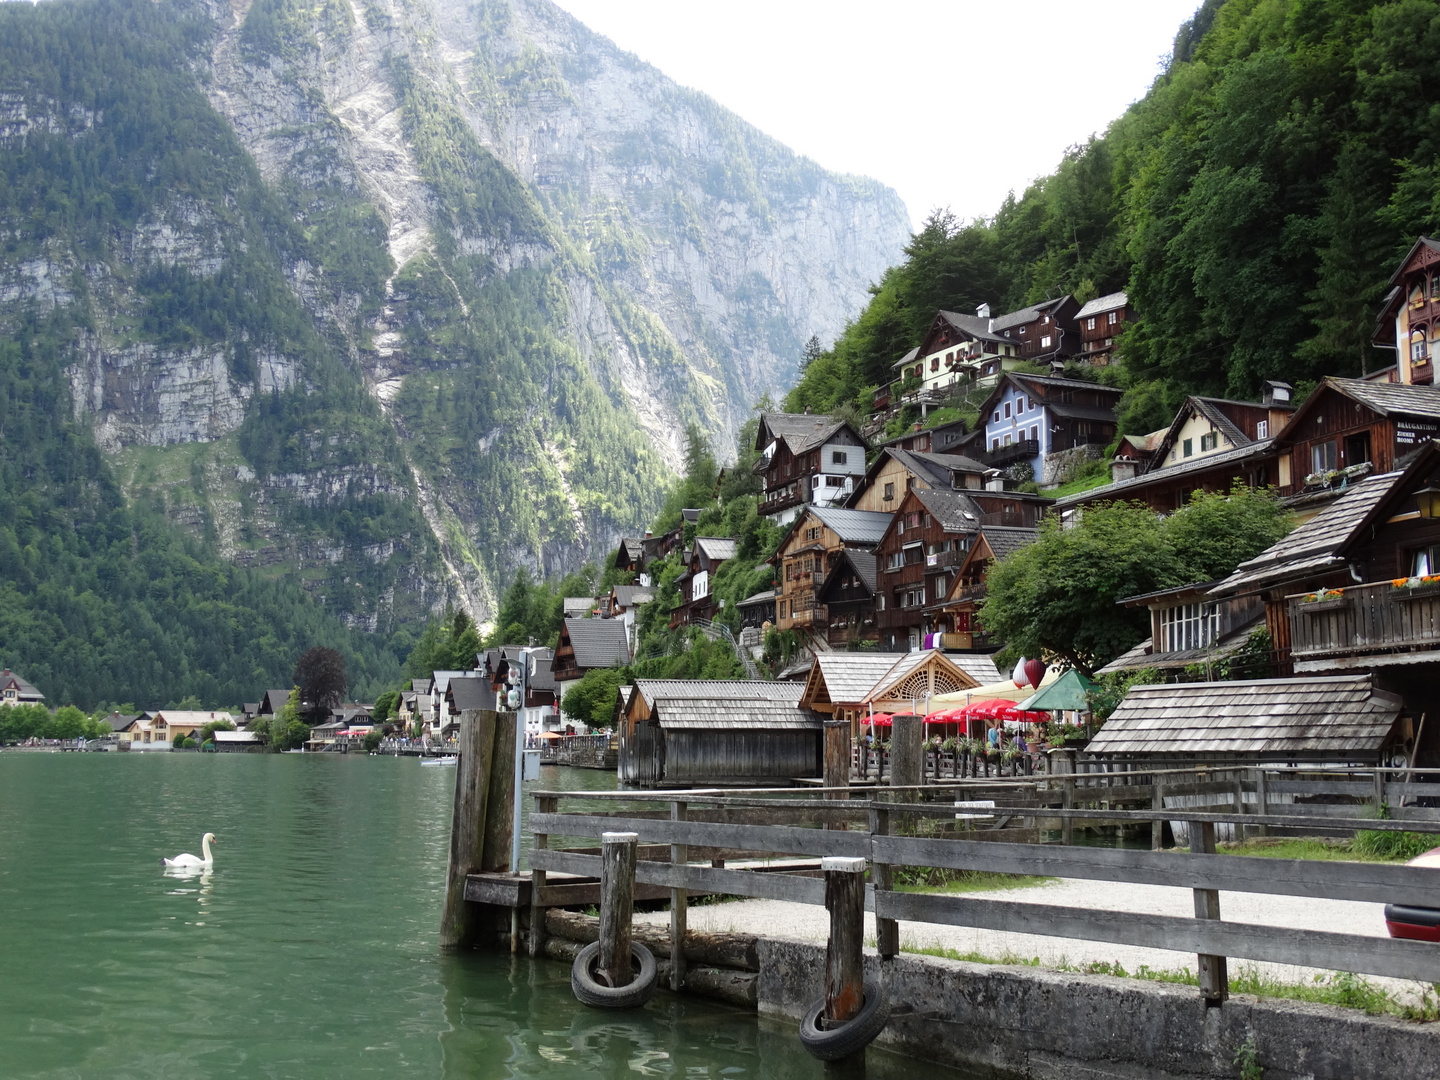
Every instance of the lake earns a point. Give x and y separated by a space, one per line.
309 951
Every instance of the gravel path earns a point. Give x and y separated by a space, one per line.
779 918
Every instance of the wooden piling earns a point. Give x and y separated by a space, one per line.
1157 802
838 755
844 963
458 922
1262 802
887 931
679 910
907 751
544 805
617 901
1214 976
500 817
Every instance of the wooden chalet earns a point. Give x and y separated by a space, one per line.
1101 322
758 610
956 616
848 597
16 691
853 685
940 439
1042 421
1042 333
896 470
1339 720
630 555
697 601
806 554
956 350
1191 630
1409 319
586 644
684 733
806 459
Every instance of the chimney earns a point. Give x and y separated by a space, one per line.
983 311
1123 468
648 534
996 483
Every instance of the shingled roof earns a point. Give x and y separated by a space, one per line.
714 689
598 643
1341 718
1102 304
716 548
730 713
1006 539
854 526
470 692
801 432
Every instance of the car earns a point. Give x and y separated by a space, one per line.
1415 923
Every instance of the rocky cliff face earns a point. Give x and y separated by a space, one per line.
513 262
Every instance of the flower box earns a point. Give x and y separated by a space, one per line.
1417 592
1316 607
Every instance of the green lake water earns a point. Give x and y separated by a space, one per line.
309 951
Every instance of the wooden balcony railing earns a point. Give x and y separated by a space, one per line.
942 559
1364 620
1016 451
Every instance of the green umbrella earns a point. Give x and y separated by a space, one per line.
1067 692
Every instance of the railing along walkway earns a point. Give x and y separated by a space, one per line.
880 830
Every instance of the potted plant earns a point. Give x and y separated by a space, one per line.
1322 600
1416 587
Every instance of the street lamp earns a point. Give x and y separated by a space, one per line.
518 683
1428 499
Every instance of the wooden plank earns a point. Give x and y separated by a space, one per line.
458 922
537 913
1321 818
1392 957
501 890
617 906
679 901
701 879
780 839
1367 882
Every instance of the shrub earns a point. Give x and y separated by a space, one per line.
372 741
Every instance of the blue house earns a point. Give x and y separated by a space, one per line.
1034 418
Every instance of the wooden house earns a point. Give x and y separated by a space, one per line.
955 351
586 644
707 733
806 459
629 555
956 616
806 553
697 601
16 691
1189 629
940 439
848 597
1409 319
1042 333
624 603
758 610
1101 322
853 685
1041 421
896 470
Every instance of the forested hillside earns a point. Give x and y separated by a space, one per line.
1253 205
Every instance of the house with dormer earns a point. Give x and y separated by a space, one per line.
956 616
1042 333
697 600
896 471
16 691
806 555
806 459
1409 318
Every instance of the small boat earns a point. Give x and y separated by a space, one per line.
1415 923
450 759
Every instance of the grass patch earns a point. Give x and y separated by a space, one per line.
1335 988
1390 847
929 879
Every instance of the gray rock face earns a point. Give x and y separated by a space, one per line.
680 257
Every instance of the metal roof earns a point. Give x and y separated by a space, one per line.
863 563
1102 304
1315 545
1025 314
578 605
800 431
471 692
716 548
759 598
854 526
631 595
1338 717
1122 488
598 643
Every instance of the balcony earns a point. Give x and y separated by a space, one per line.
1364 625
1016 451
943 559
967 594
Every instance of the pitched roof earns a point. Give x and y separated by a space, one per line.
1388 398
907 358
757 599
799 431
854 526
978 666
718 690
1025 314
1124 488
630 548
1420 241
192 717
421 686
541 677
122 722
1004 539
578 605
863 563
728 713
598 643
631 595
716 548
954 510
973 325
1315 545
851 676
1102 304
274 701
26 691
470 692
1340 718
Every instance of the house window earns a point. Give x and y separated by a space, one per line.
949 358
1322 457
1188 447
1007 410
994 444
880 601
1425 561
1007 438
1045 342
1188 626
996 417
1035 434
935 363
838 457
912 520
1090 324
914 556
889 492
894 560
1114 317
834 481
1210 441
1022 331
1262 429
1418 349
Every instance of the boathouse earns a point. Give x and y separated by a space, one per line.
676 732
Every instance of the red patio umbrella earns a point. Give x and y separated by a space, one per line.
880 720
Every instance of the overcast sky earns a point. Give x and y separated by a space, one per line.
951 103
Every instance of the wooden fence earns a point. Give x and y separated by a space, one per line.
917 827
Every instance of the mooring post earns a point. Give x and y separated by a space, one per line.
836 773
545 804
887 931
679 905
844 962
907 753
617 901
1214 976
458 924
1379 792
1157 802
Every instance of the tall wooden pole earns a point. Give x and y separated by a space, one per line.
617 902
679 911
844 963
1214 976
467 824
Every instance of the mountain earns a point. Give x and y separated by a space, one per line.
1253 205
382 299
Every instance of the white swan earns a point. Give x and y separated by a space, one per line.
191 860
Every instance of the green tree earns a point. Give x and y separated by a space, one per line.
592 700
320 677
289 730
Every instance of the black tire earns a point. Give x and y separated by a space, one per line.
589 991
850 1037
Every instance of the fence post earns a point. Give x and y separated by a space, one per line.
1379 792
844 964
545 804
887 931
1214 977
679 905
1157 802
1239 805
1067 826
1262 802
458 922
837 760
907 752
617 901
